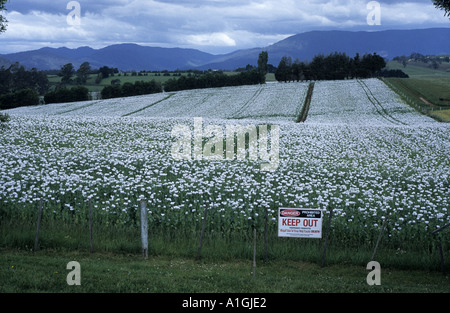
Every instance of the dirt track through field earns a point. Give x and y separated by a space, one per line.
251 100
304 113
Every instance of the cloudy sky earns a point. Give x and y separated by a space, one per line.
215 26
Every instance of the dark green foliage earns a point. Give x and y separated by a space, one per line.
4 118
284 70
105 72
393 73
15 78
83 73
61 95
24 97
332 67
443 5
67 71
114 91
214 80
129 89
262 64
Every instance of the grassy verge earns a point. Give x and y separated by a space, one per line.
443 115
430 96
45 271
418 71
170 243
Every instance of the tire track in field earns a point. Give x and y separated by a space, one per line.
245 105
378 106
78 108
149 106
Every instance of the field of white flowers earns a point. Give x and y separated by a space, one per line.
361 151
258 101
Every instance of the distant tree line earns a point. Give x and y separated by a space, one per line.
431 60
215 79
21 87
335 66
129 89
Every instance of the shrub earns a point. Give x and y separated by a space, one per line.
61 95
393 73
24 97
111 92
4 118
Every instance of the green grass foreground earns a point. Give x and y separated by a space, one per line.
45 271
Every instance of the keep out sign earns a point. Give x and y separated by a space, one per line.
300 223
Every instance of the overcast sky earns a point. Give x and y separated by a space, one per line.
215 26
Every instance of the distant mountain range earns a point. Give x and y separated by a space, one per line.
304 46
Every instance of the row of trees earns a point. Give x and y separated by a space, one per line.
61 95
68 72
332 67
252 76
129 89
432 61
213 80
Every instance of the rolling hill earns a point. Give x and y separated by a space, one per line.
304 46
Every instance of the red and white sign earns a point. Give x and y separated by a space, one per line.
299 223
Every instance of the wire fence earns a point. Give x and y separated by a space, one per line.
436 238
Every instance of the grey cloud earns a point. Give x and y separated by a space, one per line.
195 23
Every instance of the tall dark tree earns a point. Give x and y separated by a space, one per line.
443 5
284 70
40 81
83 73
318 67
263 59
355 65
105 72
298 70
371 65
66 73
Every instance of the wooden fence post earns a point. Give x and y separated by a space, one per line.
202 234
91 244
379 239
440 247
36 239
254 252
326 237
144 229
265 234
